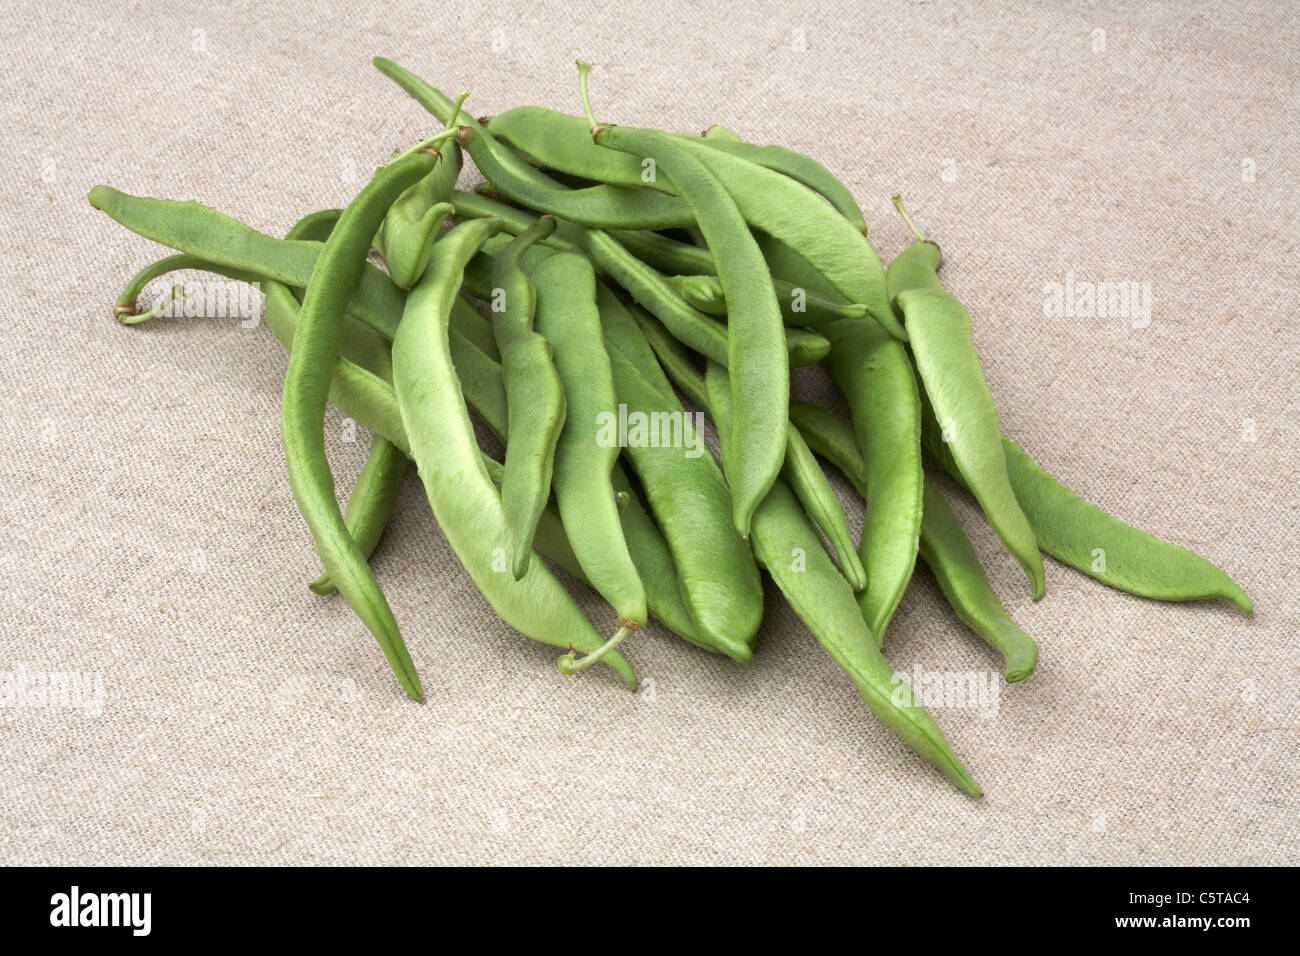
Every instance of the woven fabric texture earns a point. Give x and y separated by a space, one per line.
153 561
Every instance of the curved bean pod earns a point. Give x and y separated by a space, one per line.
806 347
1078 533
799 307
459 488
535 395
202 231
825 602
406 236
794 165
756 350
598 207
312 357
568 317
792 213
371 501
873 372
124 309
476 206
688 497
948 553
944 546
800 469
944 351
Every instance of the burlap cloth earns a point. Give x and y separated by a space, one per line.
150 540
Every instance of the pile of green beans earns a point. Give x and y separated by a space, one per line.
602 295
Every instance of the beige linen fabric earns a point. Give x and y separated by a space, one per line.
150 539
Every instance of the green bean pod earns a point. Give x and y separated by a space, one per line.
312 357
535 394
598 207
687 496
794 165
800 469
958 395
799 307
944 546
406 236
944 351
688 324
202 231
459 487
948 553
125 308
1086 538
371 501
806 347
568 317
468 205
825 602
793 214
872 370
562 142
756 344
1078 533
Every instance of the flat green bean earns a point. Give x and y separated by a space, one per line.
873 372
944 546
800 469
371 501
465 501
567 315
1083 536
795 558
799 307
943 350
535 395
312 357
202 231
687 496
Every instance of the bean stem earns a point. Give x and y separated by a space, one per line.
897 200
570 665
